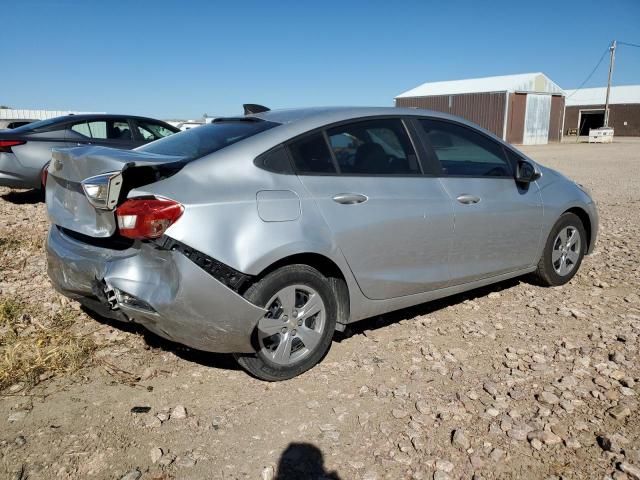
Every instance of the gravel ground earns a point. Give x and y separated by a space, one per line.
509 381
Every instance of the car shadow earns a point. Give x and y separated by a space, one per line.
227 362
303 460
381 321
23 197
153 341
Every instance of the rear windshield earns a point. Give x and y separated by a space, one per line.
200 141
42 124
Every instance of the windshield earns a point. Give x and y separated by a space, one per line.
200 141
40 124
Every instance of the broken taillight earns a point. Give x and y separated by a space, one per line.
147 218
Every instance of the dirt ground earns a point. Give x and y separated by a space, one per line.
509 381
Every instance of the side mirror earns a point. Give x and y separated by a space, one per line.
526 172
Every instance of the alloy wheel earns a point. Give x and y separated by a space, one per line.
566 250
293 325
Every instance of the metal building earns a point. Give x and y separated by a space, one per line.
25 114
522 109
585 110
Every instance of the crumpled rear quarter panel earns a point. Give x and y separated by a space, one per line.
191 307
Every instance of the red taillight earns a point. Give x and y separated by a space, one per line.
146 218
5 145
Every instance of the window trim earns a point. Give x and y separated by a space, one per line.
334 160
519 158
323 130
137 137
435 159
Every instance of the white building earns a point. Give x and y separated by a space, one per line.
524 108
585 110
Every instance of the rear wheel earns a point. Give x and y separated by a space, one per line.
298 327
563 251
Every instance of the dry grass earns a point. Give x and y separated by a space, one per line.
9 243
34 345
15 240
15 249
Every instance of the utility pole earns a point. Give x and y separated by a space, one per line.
612 57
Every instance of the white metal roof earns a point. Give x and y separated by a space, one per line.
525 82
597 96
11 113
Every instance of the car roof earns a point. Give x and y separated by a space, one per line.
52 124
288 115
92 116
318 116
299 120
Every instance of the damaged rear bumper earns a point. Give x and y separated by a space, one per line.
160 289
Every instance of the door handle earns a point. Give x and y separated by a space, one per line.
349 198
467 199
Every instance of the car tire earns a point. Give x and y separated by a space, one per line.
562 257
290 338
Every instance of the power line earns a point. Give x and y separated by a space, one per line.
606 50
629 44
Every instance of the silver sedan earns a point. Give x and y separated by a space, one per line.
261 235
26 150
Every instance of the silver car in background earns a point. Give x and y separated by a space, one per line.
261 235
25 150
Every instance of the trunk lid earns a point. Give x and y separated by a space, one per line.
67 204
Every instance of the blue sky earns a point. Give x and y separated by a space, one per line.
179 59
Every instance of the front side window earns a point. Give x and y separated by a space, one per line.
374 147
463 152
150 131
311 155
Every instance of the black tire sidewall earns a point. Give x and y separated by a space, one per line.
261 292
566 220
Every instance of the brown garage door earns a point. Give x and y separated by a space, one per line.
517 109
555 122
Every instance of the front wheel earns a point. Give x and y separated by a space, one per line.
563 251
297 329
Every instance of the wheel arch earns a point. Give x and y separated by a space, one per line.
586 222
326 267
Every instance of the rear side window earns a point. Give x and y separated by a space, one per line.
374 147
463 152
275 160
198 142
311 155
104 129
